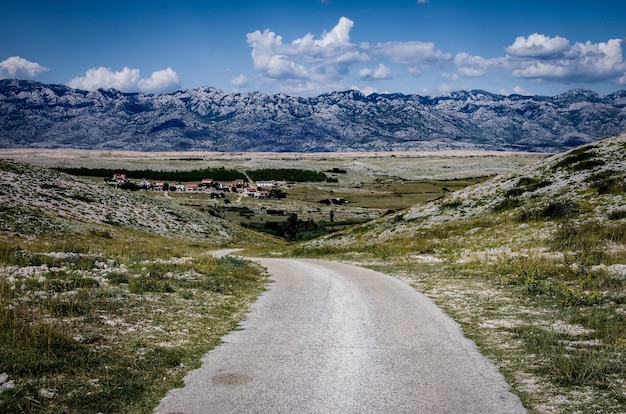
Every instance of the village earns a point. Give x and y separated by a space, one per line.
215 189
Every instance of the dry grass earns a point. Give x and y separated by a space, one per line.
110 319
532 264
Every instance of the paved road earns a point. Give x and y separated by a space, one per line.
332 338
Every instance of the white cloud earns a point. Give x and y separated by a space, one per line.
412 53
240 80
520 91
365 91
306 60
18 67
538 45
160 81
586 62
126 80
380 72
447 88
541 58
415 71
323 63
472 66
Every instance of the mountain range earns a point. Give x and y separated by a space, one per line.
37 115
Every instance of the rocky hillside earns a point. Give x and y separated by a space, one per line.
532 264
37 115
587 183
35 200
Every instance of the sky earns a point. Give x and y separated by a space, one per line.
311 47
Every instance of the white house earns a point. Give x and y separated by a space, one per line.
266 184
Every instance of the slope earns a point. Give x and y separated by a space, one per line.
585 184
107 297
532 264
37 198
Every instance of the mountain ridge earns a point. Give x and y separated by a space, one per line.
37 115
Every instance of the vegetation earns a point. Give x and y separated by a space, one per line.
218 174
287 174
105 319
533 266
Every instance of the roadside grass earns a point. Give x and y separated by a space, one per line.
534 285
106 319
539 296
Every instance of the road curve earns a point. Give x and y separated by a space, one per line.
333 338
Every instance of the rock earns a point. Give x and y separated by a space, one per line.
47 394
5 383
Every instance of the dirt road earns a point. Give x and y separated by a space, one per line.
332 338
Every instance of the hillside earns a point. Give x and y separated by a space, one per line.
36 115
37 200
108 297
531 263
585 184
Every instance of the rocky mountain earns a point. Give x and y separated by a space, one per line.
36 115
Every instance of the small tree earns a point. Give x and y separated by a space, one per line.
277 193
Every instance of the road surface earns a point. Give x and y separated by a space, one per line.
333 338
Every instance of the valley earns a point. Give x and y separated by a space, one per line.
372 184
526 252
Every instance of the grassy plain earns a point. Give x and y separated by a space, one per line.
373 183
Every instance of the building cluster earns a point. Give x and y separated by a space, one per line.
216 189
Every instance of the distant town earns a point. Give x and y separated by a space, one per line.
216 189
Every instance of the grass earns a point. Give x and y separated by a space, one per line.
106 319
529 280
545 309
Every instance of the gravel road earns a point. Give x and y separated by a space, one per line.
333 338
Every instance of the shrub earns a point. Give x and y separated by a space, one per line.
508 203
146 284
573 160
560 209
617 215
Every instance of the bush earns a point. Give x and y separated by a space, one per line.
145 284
560 209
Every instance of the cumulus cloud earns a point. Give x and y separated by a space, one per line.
365 91
520 91
160 81
587 62
472 66
380 72
127 80
541 57
323 59
240 80
18 67
414 53
538 45
324 62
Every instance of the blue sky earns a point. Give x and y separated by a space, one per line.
309 47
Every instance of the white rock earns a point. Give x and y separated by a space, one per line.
48 394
